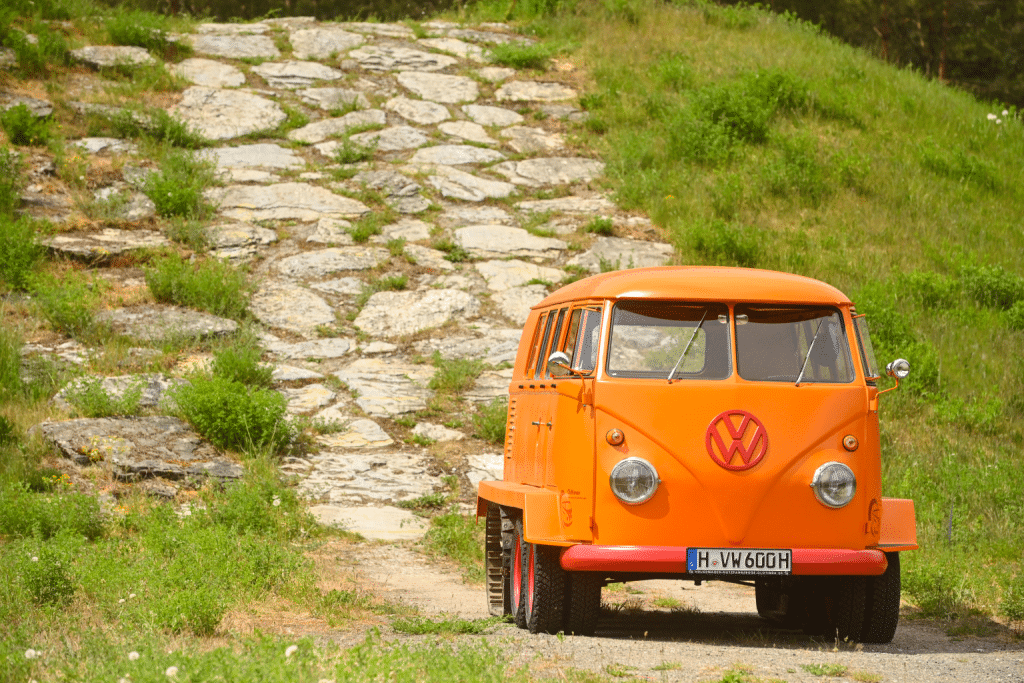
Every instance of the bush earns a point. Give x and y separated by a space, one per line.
91 400
46 572
349 152
23 127
992 286
177 189
209 285
929 290
454 376
35 58
523 55
722 243
1015 316
25 514
600 226
459 538
19 252
737 109
67 303
10 182
797 171
673 71
240 362
1012 604
490 421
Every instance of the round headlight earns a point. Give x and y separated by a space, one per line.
834 484
634 481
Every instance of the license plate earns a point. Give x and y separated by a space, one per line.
738 561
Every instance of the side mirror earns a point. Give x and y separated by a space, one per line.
898 369
558 364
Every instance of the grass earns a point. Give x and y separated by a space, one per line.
25 128
209 285
454 376
460 539
449 626
20 252
90 399
11 180
177 188
490 421
825 669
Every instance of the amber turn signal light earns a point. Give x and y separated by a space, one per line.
615 437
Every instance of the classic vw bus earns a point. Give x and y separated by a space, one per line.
696 423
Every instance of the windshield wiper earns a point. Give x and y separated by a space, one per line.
809 349
692 337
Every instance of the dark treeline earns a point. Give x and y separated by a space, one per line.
347 10
976 44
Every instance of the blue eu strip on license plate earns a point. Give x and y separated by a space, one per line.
756 561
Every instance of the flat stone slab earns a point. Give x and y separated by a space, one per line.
439 87
323 42
467 130
387 30
532 91
263 155
494 346
308 398
486 466
37 107
239 240
233 29
551 170
321 130
496 241
323 262
459 216
456 184
418 111
476 36
343 285
104 56
208 73
396 314
156 322
235 46
290 307
620 254
392 183
387 387
374 523
426 257
528 140
502 275
491 384
393 139
357 433
496 74
106 145
334 98
393 58
224 114
103 245
294 373
456 47
295 74
585 205
455 155
335 347
139 448
437 432
486 115
409 229
285 201
515 303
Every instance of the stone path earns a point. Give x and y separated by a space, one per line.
468 155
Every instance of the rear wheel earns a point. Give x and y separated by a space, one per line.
517 576
882 609
582 602
497 567
544 588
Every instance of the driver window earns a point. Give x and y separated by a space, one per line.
581 340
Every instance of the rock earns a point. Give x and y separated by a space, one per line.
551 170
151 388
235 46
233 29
567 205
292 373
341 285
357 433
392 139
620 254
492 116
308 398
387 30
456 47
439 87
531 91
238 240
285 201
392 183
490 385
223 114
496 74
375 523
437 432
264 155
157 322
334 98
8 58
418 111
335 347
396 314
135 448
108 145
324 262
393 58
331 231
378 347
502 275
458 216
38 108
295 74
526 140
208 73
484 36
454 155
105 56
494 347
124 204
563 111
104 245
408 229
323 42
496 241
466 130
427 257
290 307
408 205
515 303
321 130
456 184
488 466
385 388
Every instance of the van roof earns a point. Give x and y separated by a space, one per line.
700 283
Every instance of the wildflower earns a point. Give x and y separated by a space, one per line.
992 117
35 559
133 655
171 671
1006 112
32 654
277 502
290 650
998 121
131 596
121 601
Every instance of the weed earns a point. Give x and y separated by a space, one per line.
428 501
10 181
419 440
349 152
866 677
24 514
1012 604
667 666
600 225
209 285
239 361
20 251
396 246
673 71
90 399
524 55
727 243
825 669
154 124
454 376
958 166
490 421
1015 317
978 415
188 231
10 371
144 29
67 303
668 603
36 56
23 127
445 626
366 227
939 590
452 251
335 606
992 286
797 171
381 284
460 539
177 189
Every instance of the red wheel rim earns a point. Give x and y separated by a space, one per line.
517 574
529 580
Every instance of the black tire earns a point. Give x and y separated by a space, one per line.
816 605
882 608
543 588
768 596
496 582
517 577
849 601
582 603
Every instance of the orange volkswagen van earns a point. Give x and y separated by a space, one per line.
696 423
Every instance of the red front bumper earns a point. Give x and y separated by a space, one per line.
672 560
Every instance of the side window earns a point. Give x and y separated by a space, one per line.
538 338
581 340
542 347
552 343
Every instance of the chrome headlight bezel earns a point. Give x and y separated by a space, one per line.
627 491
834 484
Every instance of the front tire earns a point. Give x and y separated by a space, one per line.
544 588
882 608
582 602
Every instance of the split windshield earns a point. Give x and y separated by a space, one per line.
787 343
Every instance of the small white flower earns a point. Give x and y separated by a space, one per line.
133 655
171 671
992 117
121 601
32 654
35 559
132 595
277 502
1006 112
998 121
290 650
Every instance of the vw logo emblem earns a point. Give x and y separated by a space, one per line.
736 432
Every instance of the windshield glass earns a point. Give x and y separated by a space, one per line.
649 338
778 343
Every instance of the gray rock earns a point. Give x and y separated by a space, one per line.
393 58
136 448
125 204
209 73
586 205
408 205
295 74
496 74
453 155
496 241
551 170
378 347
396 314
223 114
621 253
409 229
515 303
485 36
8 58
285 201
358 433
386 30
103 245
456 184
492 116
490 385
239 240
392 183
235 46
348 476
103 56
494 346
393 139
293 373
418 111
255 28
466 130
290 307
155 323
264 155
324 262
108 145
437 432
527 140
323 42
335 347
321 130
374 523
38 108
531 91
331 231
488 466
343 285
388 387
427 257
334 98
459 216
439 87
308 398
502 275
456 47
